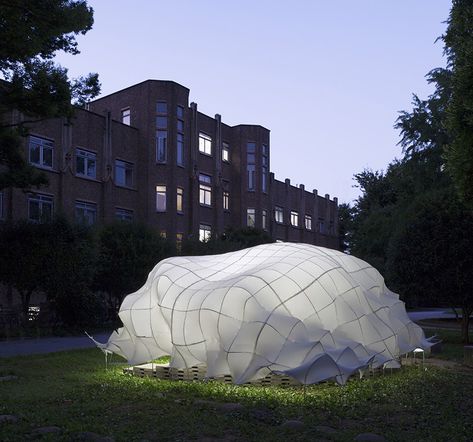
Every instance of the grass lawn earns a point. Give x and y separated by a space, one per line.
73 391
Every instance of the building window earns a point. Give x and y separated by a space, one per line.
123 173
161 122
179 237
180 150
321 226
126 116
180 112
205 189
180 126
205 232
205 144
226 200
161 107
163 234
41 152
40 207
251 165
161 146
161 198
264 219
86 213
279 214
179 201
308 222
86 163
264 168
226 153
123 214
294 218
250 217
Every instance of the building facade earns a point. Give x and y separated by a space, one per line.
145 154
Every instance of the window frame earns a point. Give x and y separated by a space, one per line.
86 155
125 168
43 144
121 214
180 199
42 199
124 116
264 219
161 145
308 222
205 190
294 218
226 152
278 210
251 217
89 208
161 190
205 232
205 147
226 200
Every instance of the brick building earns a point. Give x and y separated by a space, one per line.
145 154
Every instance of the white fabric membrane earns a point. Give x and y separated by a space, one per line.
309 312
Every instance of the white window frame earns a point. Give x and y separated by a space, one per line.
126 116
264 219
180 199
180 149
308 222
205 232
279 214
161 112
126 167
294 218
205 143
205 190
161 146
123 214
251 217
86 212
226 152
226 200
88 157
44 145
161 197
43 201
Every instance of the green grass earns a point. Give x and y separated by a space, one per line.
73 390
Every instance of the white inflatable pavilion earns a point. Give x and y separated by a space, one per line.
308 312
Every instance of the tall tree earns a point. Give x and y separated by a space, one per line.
31 33
459 50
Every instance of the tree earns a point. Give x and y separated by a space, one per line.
127 252
31 33
459 51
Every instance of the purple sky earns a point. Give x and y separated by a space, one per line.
327 78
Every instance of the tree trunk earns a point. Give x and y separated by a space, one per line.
465 325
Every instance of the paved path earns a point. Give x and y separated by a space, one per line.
30 346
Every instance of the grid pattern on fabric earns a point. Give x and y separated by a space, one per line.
292 309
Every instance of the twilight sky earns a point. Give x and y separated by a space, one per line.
326 77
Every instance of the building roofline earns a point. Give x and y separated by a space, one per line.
139 84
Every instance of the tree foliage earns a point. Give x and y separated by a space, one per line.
31 33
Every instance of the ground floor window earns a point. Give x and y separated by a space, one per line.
86 212
40 207
205 231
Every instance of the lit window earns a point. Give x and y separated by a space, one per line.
161 107
123 173
226 200
126 116
123 214
205 190
40 207
226 153
160 198
264 168
180 150
162 122
294 218
86 163
205 144
250 217
279 214
308 222
250 165
180 196
264 219
41 152
180 112
161 146
180 126
86 213
163 234
205 232
179 237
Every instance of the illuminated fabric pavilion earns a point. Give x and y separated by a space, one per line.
308 312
